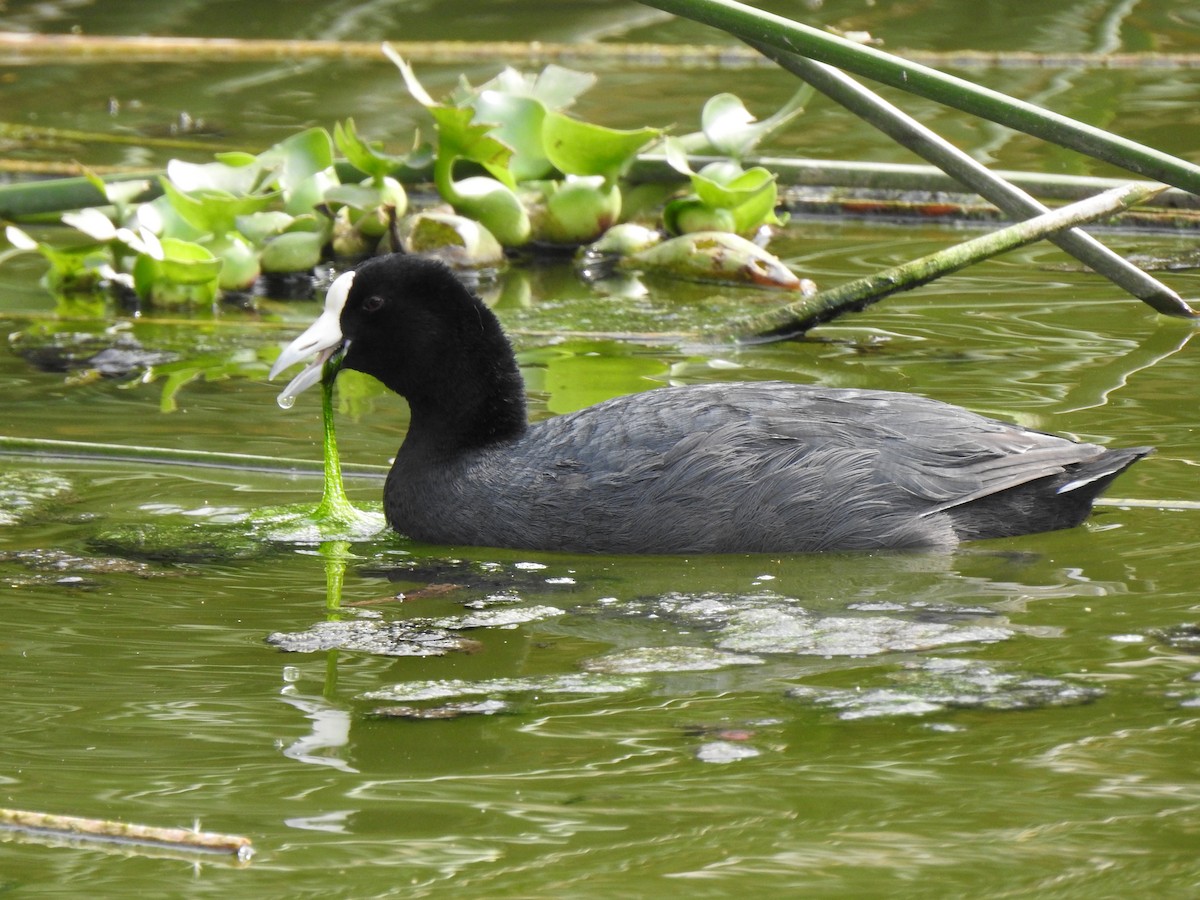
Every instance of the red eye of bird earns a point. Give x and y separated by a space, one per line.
374 303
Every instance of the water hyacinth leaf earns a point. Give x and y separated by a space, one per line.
687 215
316 223
726 197
259 226
299 157
415 88
625 239
730 129
91 222
160 217
187 263
72 270
460 138
176 273
20 239
715 256
519 128
356 196
309 193
211 210
239 261
750 196
517 104
246 177
302 167
365 156
375 204
119 193
581 148
555 87
737 190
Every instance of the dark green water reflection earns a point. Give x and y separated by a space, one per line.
145 690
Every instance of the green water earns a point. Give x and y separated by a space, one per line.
151 695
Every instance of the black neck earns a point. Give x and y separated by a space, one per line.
472 396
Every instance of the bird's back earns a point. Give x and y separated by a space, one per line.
747 467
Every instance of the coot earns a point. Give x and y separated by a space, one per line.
714 468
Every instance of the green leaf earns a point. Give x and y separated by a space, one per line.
257 227
19 238
211 210
517 103
722 187
239 261
555 87
72 270
750 196
91 222
368 158
459 138
184 262
244 178
175 273
581 148
519 129
297 158
410 78
728 128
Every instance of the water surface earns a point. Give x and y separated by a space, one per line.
1016 718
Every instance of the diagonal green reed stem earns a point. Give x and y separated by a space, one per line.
795 319
757 26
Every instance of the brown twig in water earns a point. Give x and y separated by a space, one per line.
104 830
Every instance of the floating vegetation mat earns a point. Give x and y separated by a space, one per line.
28 493
769 623
667 659
416 691
414 637
934 685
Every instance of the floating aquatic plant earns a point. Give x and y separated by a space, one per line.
509 157
538 158
725 197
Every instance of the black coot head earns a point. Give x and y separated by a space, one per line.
404 316
410 322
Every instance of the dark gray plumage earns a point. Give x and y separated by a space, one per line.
705 469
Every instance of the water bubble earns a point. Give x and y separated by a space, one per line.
286 401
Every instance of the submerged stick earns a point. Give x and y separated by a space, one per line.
99 452
911 134
23 47
757 26
75 827
795 319
21 132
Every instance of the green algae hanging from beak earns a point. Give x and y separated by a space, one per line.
335 506
335 518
